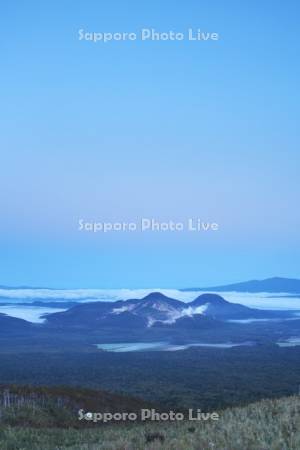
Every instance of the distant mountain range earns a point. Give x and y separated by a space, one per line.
272 285
157 311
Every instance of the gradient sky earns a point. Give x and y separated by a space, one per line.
169 130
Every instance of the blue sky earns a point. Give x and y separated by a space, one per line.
169 130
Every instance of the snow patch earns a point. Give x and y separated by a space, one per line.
174 315
123 309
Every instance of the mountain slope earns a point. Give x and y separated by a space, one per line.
129 313
58 406
217 307
11 324
268 424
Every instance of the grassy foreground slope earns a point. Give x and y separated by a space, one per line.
265 425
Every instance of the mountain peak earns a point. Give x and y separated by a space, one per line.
156 296
209 298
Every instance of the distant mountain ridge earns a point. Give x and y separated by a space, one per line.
157 310
273 285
